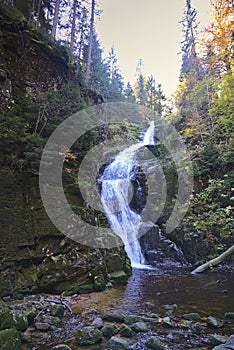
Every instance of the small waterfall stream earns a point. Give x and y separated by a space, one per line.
116 194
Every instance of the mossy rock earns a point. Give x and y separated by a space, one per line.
10 339
154 343
117 343
88 336
22 323
125 331
112 317
118 277
109 330
57 310
140 327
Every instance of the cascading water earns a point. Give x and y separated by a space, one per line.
115 194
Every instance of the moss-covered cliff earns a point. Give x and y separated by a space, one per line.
38 89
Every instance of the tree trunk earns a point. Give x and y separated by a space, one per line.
73 28
55 20
214 261
87 75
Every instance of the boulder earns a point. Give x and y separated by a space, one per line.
154 343
139 327
109 330
57 310
88 335
117 343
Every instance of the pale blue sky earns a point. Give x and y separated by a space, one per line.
147 29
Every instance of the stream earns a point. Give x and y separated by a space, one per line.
146 293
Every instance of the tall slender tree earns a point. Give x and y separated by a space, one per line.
91 32
55 19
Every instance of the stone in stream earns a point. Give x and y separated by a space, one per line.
229 315
97 323
130 319
193 316
125 331
117 343
172 307
214 322
229 345
10 339
88 335
61 347
109 330
112 317
198 328
154 343
140 327
217 339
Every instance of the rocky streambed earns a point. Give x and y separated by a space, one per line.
155 310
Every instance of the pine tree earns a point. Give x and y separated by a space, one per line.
91 33
116 79
129 94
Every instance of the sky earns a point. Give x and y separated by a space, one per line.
150 30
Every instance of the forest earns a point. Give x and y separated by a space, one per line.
52 65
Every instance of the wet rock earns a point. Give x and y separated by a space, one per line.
10 339
154 343
57 311
166 321
198 328
217 339
42 326
130 319
229 315
125 331
229 345
214 322
118 277
22 323
88 336
97 323
193 316
139 327
112 317
99 283
25 339
170 307
117 343
61 347
109 330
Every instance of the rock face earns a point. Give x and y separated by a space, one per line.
35 256
21 51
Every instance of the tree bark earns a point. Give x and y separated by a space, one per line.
73 28
214 261
87 74
55 20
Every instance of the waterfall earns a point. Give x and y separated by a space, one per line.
116 194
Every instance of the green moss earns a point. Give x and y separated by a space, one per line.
10 339
6 320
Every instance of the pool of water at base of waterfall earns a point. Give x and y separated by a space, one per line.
147 292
